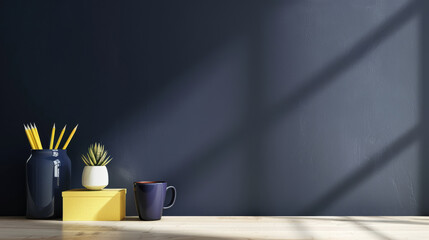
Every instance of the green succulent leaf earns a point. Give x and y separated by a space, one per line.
85 160
98 150
91 153
96 156
90 159
103 157
107 162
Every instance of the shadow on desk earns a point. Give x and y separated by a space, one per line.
130 228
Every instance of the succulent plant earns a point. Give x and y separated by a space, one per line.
96 156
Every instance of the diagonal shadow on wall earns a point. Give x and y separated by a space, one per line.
372 165
64 58
424 110
264 118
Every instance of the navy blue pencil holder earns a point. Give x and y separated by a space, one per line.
48 173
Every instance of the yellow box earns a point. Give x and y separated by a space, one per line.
86 205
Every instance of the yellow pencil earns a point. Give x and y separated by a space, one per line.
38 137
30 131
33 131
70 137
52 137
29 137
60 137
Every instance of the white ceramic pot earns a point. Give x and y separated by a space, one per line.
95 177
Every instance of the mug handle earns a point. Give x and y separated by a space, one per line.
173 199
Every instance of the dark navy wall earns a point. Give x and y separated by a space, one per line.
247 107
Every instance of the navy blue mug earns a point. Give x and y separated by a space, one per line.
150 197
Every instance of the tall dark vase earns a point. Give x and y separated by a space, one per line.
48 174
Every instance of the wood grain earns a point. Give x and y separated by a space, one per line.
221 228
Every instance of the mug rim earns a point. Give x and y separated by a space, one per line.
149 182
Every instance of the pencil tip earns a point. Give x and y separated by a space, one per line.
76 125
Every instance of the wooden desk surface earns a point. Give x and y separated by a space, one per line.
221 228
